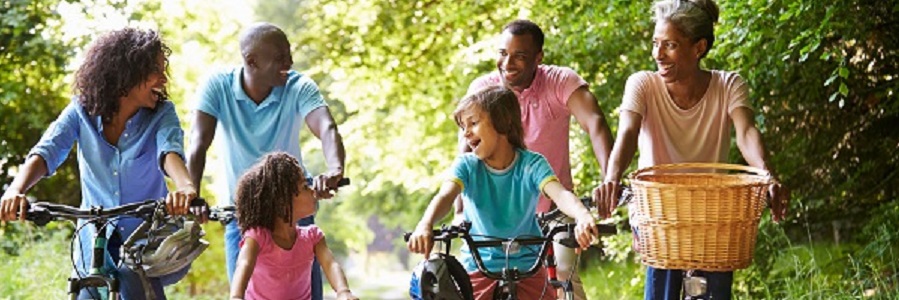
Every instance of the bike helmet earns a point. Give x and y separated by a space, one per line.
166 248
441 277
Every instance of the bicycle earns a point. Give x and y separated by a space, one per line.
508 278
145 238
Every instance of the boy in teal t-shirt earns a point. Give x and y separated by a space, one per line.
500 182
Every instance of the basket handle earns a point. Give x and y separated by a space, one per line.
719 166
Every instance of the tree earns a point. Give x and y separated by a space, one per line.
33 58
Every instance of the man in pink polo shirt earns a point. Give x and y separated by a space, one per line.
548 96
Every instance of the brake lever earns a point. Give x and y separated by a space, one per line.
37 214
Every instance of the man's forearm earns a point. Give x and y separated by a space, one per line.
601 140
332 146
196 162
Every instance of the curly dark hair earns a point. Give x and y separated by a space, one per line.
501 104
265 192
115 63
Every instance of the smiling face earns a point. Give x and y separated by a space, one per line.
303 203
153 90
676 56
270 61
518 58
485 142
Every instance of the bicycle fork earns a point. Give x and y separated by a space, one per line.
96 278
554 281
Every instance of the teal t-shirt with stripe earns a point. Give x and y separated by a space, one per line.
502 204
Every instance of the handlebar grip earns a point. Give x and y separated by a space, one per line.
342 182
198 201
435 232
37 214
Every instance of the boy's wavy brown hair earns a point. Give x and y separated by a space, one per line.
501 104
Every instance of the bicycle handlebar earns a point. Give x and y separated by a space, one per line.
42 213
448 233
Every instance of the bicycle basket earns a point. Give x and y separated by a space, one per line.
697 215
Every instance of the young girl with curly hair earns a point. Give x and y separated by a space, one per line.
275 260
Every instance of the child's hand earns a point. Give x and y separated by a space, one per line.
585 231
421 240
346 295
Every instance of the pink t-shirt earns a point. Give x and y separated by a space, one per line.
283 273
670 134
545 117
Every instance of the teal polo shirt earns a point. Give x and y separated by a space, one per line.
247 131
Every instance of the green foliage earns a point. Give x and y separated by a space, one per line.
33 59
823 78
36 267
825 89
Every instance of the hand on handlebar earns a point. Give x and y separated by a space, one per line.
13 206
779 196
324 185
606 196
585 231
177 202
421 240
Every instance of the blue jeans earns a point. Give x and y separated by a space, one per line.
667 284
130 286
232 249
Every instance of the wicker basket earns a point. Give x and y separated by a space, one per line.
697 215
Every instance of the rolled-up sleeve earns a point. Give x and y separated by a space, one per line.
170 137
57 141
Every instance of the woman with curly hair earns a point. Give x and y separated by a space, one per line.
275 260
129 138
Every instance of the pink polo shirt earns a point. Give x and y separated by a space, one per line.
545 117
283 273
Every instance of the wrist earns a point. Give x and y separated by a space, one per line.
425 225
344 291
584 216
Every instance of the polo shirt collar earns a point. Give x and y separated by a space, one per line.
240 94
237 85
536 84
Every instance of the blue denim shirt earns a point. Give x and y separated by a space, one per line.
113 175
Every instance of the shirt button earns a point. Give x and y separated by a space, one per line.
116 193
115 173
126 135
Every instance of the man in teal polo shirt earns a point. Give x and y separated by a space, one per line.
258 108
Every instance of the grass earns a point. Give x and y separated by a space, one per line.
36 265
